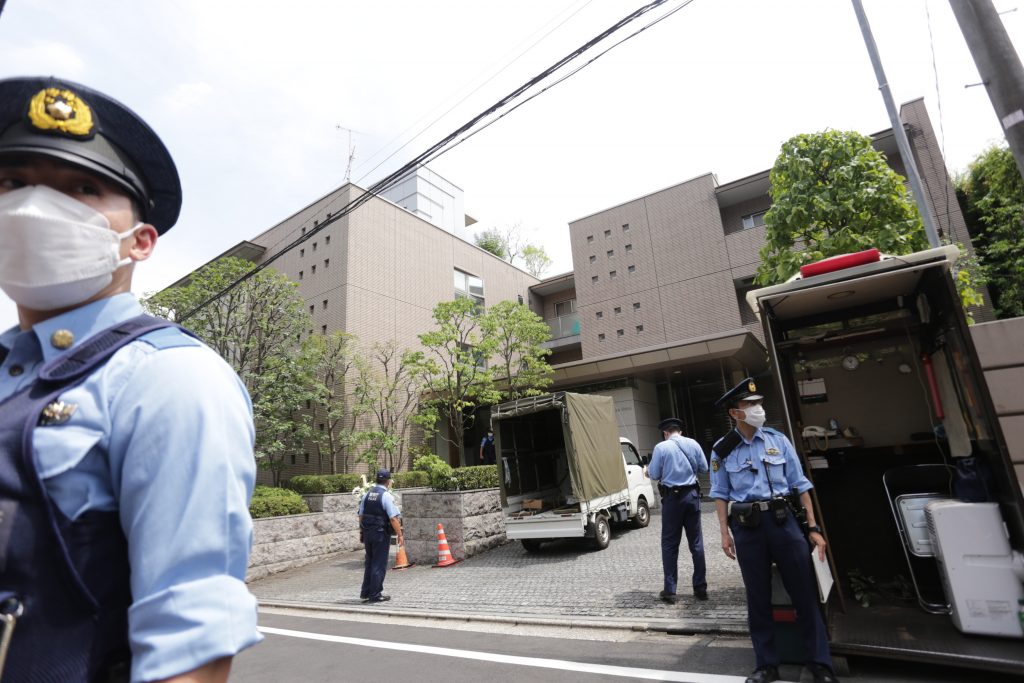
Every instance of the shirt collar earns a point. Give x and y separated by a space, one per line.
757 434
83 322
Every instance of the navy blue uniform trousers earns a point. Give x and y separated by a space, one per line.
682 511
786 546
377 543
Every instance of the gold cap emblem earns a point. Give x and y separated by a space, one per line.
57 413
62 339
61 110
751 387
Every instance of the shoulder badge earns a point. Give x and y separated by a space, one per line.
715 464
57 413
55 109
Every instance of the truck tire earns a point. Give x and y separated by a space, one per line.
531 545
602 533
643 514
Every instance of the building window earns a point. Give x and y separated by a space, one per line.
629 248
625 227
639 329
600 337
611 252
325 304
309 404
311 313
314 246
307 458
302 252
301 274
478 358
613 274
312 270
303 231
323 329
590 238
469 287
327 263
618 310
316 222
565 307
599 315
632 269
519 297
321 426
593 279
327 239
636 305
753 220
593 258
292 455
619 333
607 233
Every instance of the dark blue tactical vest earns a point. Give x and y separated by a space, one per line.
374 516
68 580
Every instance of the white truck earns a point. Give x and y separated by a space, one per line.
565 472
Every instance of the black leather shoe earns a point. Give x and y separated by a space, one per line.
765 674
382 598
821 673
700 593
670 598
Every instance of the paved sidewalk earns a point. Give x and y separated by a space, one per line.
565 582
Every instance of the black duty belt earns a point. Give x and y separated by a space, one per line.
665 490
762 505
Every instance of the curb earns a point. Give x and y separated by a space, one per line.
732 627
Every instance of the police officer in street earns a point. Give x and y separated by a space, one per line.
378 517
126 445
753 469
675 464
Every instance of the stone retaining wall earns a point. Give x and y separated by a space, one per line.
472 522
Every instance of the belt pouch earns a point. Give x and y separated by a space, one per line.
746 515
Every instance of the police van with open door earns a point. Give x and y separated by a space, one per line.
914 487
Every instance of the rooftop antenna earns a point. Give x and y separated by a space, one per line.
351 151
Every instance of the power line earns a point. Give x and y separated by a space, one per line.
440 147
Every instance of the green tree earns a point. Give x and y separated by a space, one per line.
392 392
494 241
453 368
833 193
518 333
338 404
536 259
992 195
257 328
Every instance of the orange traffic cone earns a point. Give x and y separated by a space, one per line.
402 560
444 553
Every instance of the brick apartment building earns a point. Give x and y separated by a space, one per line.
653 313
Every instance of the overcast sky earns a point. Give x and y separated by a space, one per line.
249 96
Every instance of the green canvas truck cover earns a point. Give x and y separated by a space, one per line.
591 436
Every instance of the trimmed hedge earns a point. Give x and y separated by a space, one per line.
268 501
465 478
325 483
409 480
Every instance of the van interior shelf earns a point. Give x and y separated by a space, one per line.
845 336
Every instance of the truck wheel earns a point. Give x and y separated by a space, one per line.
643 514
530 545
602 533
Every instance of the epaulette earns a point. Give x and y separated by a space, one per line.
772 430
169 338
724 446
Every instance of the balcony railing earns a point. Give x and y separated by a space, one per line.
564 325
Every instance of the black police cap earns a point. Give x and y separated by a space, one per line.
744 391
81 126
670 423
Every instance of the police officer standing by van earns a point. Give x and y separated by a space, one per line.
753 469
675 464
378 517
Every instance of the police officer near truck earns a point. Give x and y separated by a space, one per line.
755 475
126 445
378 517
675 464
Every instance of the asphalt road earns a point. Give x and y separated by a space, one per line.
330 647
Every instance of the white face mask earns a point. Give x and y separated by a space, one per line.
754 416
55 251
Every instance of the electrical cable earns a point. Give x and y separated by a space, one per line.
942 128
438 148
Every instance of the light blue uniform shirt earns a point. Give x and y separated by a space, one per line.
677 461
386 500
165 436
744 475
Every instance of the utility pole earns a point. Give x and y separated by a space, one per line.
897 128
998 65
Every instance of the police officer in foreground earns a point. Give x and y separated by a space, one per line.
378 517
126 445
675 464
753 468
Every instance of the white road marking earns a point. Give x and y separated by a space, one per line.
627 671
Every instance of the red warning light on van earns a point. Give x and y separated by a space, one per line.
834 263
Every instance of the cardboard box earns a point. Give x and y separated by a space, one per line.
533 504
